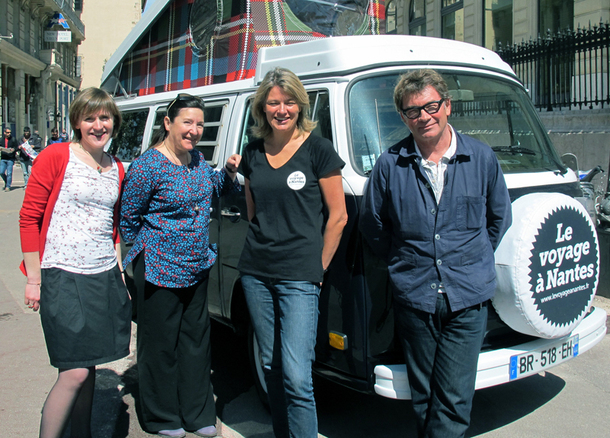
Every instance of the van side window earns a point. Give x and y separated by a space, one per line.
210 141
319 106
212 116
158 124
320 112
127 145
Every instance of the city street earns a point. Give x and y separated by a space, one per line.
570 400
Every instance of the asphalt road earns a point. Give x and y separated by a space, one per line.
568 401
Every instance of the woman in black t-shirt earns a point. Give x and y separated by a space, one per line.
290 177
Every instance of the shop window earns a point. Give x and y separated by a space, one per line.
390 17
497 23
417 17
452 14
555 15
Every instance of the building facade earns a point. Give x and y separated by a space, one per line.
106 30
39 64
489 23
581 130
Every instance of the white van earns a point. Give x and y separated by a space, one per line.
547 264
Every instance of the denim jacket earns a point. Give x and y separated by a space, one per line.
425 244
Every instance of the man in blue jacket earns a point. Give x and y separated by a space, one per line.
436 208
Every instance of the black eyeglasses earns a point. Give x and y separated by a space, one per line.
413 112
184 97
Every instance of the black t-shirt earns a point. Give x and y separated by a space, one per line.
285 237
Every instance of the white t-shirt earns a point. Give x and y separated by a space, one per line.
436 172
79 238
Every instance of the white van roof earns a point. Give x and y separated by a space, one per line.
347 54
338 56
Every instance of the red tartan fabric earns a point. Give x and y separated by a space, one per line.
203 42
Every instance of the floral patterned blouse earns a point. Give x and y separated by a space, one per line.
165 211
79 239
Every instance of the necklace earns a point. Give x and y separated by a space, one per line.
99 165
174 158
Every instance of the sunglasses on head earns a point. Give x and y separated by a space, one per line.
184 97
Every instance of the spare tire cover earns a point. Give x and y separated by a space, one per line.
547 266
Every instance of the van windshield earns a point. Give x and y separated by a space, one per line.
496 112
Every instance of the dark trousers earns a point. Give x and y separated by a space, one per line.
173 350
441 353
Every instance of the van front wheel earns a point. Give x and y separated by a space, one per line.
256 365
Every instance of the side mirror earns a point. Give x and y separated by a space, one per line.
570 160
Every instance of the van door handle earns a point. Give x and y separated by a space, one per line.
232 213
229 213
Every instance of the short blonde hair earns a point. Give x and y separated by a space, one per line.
290 84
90 101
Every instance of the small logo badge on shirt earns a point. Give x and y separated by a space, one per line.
296 180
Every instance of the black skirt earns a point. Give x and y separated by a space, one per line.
86 319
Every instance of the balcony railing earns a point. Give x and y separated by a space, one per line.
568 70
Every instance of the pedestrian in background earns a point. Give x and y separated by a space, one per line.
435 209
165 212
8 152
71 256
36 141
54 137
24 157
291 178
64 135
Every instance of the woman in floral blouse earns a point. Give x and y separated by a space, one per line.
165 212
71 253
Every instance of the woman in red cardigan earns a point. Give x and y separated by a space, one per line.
71 256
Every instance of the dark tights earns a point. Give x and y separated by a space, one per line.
70 399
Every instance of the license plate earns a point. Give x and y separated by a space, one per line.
533 362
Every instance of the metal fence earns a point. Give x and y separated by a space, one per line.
568 70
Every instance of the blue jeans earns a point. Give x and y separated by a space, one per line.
441 353
6 167
285 320
25 167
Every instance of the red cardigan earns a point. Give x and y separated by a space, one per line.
44 184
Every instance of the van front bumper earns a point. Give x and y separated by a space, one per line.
494 366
